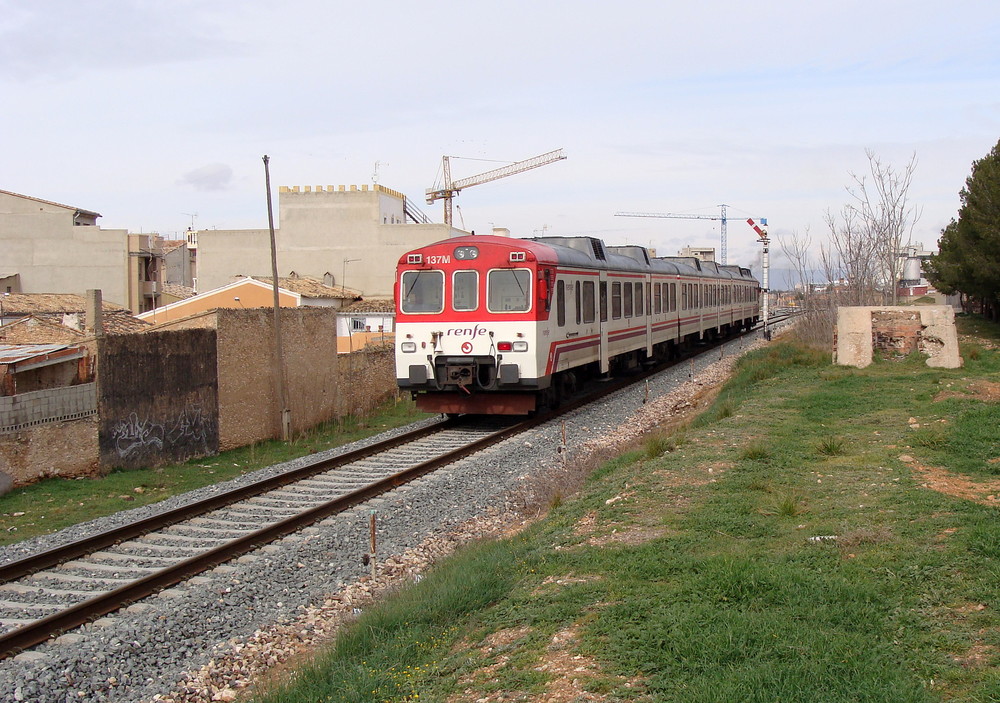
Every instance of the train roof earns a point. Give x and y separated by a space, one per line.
591 252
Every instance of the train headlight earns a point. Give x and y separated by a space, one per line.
519 346
408 347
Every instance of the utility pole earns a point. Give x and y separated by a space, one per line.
279 365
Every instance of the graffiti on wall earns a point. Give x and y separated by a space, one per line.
185 435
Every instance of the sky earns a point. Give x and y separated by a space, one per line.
157 113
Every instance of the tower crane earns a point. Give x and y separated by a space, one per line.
722 217
450 189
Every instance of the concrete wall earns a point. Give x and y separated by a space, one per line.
356 234
157 397
26 409
52 255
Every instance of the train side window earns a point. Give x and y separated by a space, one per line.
616 300
579 302
627 298
649 298
423 291
561 303
684 296
588 302
638 300
465 290
508 290
673 297
604 301
657 298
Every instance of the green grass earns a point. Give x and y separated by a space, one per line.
55 503
724 596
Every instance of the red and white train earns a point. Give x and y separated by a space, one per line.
498 325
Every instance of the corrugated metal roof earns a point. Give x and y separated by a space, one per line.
20 353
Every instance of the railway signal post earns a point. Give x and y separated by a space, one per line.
765 265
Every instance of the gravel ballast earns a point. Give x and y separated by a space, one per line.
204 640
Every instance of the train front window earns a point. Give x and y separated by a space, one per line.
422 291
465 291
508 290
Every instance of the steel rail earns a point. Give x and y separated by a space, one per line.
45 628
42 560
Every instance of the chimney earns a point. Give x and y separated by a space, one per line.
94 314
328 279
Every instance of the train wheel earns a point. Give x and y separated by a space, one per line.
567 385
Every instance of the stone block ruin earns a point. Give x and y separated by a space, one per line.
863 331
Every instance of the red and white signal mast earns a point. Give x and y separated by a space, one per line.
762 238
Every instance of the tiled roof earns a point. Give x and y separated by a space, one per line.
178 291
116 319
27 303
309 287
37 330
370 305
122 322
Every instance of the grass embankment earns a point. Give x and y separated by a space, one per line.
783 548
56 503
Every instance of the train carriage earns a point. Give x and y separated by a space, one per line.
498 325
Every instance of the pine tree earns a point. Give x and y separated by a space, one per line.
969 249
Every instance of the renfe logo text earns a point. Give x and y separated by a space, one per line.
471 332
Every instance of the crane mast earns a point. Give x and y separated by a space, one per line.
450 189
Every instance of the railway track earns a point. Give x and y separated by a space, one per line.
48 593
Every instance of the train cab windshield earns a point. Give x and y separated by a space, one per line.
422 291
509 290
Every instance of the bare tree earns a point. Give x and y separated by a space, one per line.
795 247
874 227
851 256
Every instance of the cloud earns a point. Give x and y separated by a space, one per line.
63 39
208 178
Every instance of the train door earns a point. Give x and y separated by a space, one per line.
603 319
647 308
